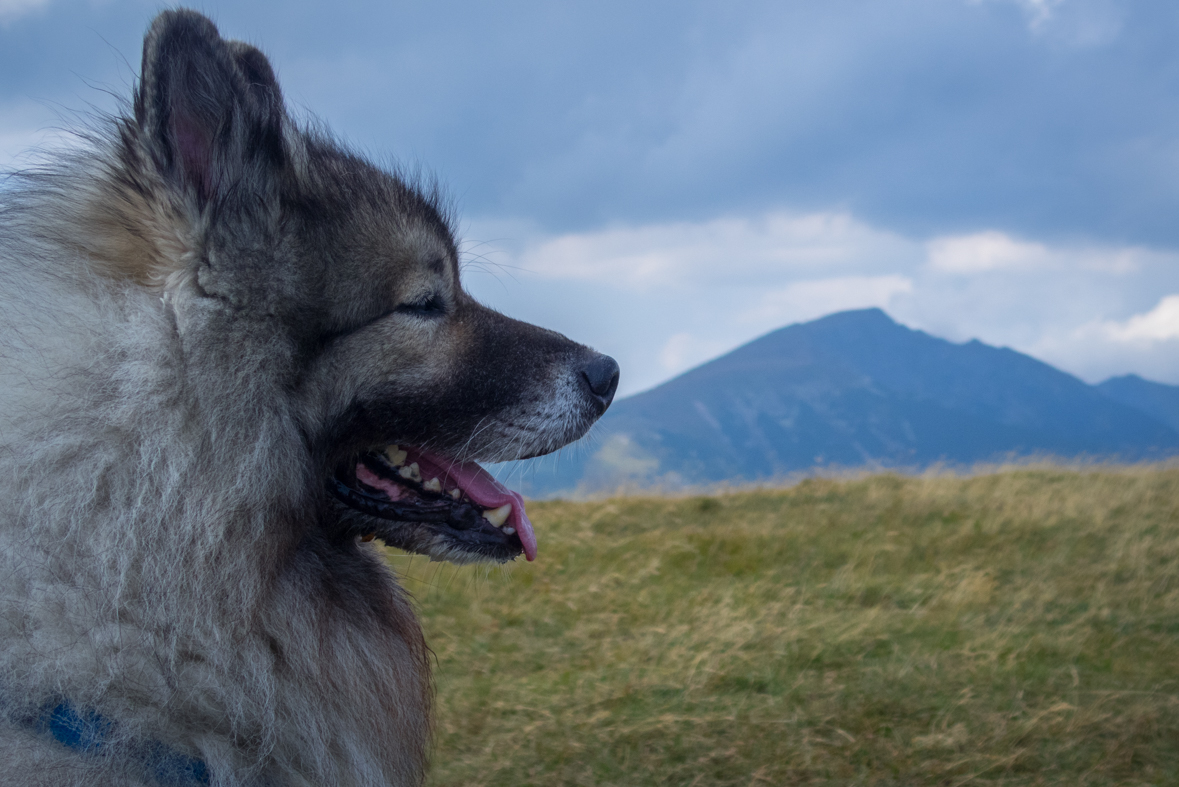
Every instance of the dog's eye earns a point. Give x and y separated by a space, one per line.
430 306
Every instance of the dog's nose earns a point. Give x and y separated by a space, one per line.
601 377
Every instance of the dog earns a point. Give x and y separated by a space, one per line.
233 352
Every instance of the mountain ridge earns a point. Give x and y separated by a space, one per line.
857 389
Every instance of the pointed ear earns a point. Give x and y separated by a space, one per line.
210 111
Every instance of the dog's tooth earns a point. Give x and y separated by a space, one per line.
416 472
509 531
433 485
456 493
395 456
497 516
406 472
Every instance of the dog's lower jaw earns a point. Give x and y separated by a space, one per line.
433 505
352 526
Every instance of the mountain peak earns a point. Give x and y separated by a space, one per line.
857 388
1155 399
1131 378
872 315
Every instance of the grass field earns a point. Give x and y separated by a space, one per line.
1016 628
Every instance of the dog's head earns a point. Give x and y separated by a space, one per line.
285 254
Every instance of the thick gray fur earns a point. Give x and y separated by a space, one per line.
205 311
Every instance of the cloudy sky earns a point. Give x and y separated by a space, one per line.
667 180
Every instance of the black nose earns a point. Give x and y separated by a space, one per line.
601 377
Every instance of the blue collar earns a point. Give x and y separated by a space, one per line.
85 730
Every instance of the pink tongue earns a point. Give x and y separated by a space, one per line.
478 485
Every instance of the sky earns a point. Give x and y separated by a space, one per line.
667 180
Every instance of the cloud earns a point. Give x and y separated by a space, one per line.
682 351
11 10
1159 324
663 297
774 246
984 252
1076 24
1144 343
921 118
26 129
727 170
806 300
997 252
1038 12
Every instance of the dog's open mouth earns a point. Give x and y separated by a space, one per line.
458 502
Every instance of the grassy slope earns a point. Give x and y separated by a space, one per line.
1017 628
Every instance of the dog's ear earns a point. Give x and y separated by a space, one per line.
210 111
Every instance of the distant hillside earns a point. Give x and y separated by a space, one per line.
1156 399
857 389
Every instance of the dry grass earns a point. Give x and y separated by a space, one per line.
1017 628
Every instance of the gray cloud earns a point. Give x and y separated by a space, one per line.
927 116
1045 125
11 10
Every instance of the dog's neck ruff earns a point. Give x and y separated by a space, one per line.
86 731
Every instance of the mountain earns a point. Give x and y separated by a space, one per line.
857 389
1155 399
